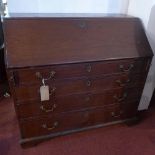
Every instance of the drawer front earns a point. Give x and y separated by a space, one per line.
77 102
122 111
54 123
72 121
68 87
29 76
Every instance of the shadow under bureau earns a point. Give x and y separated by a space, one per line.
93 69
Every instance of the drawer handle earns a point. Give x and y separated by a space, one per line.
51 75
88 83
120 99
55 124
114 115
122 84
48 110
122 68
88 68
52 90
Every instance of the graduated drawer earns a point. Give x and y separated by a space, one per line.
77 102
68 87
35 75
53 124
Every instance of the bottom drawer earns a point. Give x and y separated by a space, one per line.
53 124
71 121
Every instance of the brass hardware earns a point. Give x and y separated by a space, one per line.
121 84
112 113
48 110
55 124
120 99
126 70
87 99
11 78
88 83
6 95
52 90
14 78
88 68
52 74
38 75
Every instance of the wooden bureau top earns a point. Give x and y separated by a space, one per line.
38 41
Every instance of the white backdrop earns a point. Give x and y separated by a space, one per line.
145 9
68 6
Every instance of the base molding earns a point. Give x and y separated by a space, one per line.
30 142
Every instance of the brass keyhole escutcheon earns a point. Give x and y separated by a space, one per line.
88 83
88 68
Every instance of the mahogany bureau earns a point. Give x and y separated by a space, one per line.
93 69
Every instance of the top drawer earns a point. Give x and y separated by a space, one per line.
35 75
